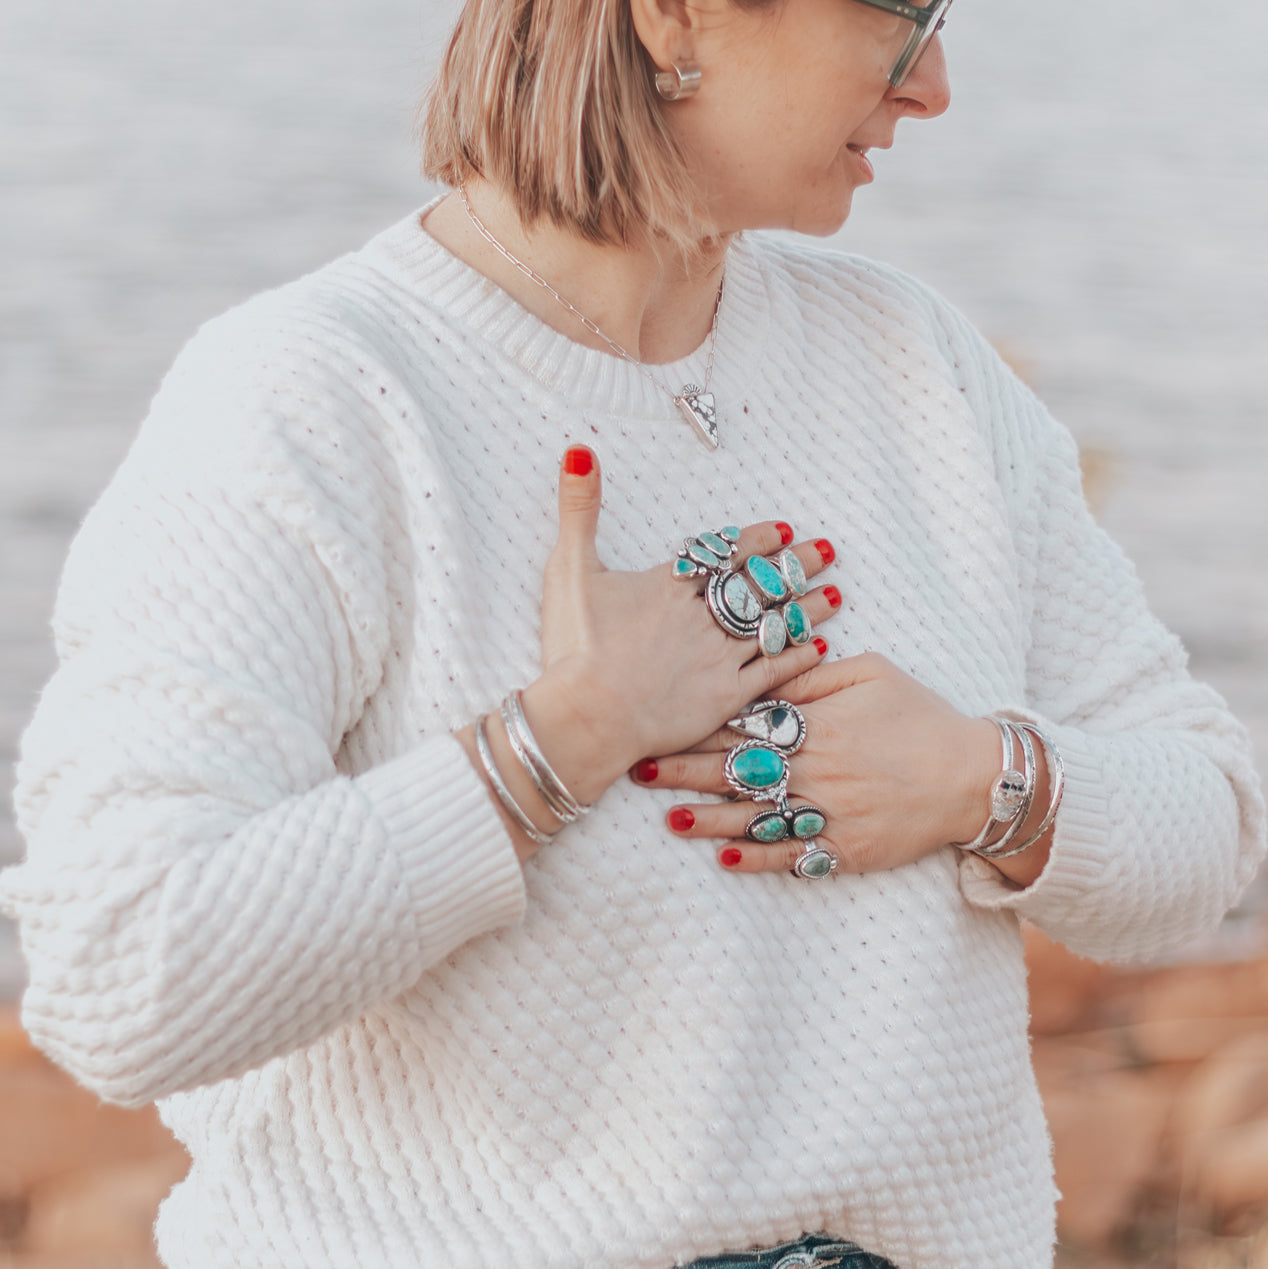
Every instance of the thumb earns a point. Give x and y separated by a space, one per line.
580 497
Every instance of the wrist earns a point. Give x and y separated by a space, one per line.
580 738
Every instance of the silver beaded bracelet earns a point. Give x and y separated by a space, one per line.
504 794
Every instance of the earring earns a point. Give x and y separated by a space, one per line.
680 82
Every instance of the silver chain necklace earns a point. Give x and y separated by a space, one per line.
696 404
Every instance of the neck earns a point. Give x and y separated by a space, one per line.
642 295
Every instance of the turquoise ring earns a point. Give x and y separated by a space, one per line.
801 822
706 554
814 863
757 771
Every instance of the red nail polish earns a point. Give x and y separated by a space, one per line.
730 858
578 461
821 646
827 552
681 819
832 595
646 771
785 532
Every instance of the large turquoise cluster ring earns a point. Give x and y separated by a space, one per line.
707 554
758 769
760 600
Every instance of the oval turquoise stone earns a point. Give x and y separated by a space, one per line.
818 865
739 599
771 827
730 532
759 767
701 554
766 577
772 634
797 622
808 823
719 546
793 573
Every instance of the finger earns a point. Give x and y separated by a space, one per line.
580 497
773 536
742 855
702 773
764 675
821 680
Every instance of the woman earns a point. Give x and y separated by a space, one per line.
294 872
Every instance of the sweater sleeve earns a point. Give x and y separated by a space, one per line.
1162 823
204 889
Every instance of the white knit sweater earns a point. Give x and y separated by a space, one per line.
265 886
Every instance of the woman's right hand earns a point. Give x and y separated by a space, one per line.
634 663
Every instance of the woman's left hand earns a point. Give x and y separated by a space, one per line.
898 771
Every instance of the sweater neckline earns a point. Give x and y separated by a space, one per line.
589 378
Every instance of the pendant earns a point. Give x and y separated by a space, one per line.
700 409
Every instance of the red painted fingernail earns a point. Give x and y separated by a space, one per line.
681 819
730 858
832 595
785 532
646 770
578 461
821 646
827 552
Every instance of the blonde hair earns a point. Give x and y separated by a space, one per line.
554 102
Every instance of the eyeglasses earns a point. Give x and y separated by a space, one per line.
928 22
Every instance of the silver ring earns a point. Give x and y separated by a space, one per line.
707 553
778 723
757 771
804 823
814 863
733 605
793 572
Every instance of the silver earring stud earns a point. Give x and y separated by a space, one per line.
679 82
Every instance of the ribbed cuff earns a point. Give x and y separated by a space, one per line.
1080 856
456 857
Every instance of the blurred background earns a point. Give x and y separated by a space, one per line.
1095 200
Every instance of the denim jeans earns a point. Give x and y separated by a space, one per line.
812 1249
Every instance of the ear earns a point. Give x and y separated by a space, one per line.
667 29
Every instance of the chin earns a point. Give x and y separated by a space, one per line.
825 219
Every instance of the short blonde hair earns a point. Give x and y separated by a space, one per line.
554 102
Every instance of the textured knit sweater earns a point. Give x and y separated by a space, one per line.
265 886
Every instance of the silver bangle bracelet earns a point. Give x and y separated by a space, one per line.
1007 791
504 795
1003 848
1056 787
554 793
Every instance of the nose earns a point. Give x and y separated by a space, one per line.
926 92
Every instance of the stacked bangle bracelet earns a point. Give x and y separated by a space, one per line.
563 806
1013 792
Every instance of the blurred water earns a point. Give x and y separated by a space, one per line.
1095 200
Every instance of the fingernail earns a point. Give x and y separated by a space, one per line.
578 461
646 771
827 552
730 858
832 595
821 646
681 819
785 532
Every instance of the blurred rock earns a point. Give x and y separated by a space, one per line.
111 1207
